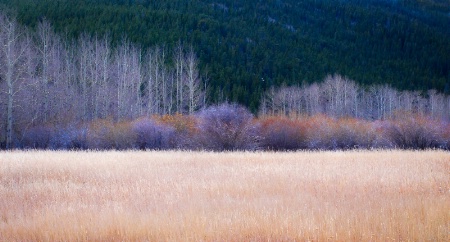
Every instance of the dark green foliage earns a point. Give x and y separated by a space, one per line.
248 46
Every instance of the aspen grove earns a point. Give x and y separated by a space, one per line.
48 80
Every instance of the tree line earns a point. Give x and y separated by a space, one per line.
46 79
338 96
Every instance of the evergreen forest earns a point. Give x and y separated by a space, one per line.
246 47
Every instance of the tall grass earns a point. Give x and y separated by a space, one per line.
200 196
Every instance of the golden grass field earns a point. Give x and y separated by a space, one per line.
200 196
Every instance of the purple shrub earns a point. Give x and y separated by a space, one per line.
228 127
68 137
80 138
37 137
152 135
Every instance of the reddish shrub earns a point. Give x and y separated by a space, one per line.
280 133
350 133
326 133
320 132
415 132
186 130
105 134
181 123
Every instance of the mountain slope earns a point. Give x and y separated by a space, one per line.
248 46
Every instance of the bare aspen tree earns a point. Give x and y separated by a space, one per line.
70 94
331 91
180 75
122 64
281 101
28 114
149 73
166 85
351 94
262 112
345 94
352 99
85 54
135 82
45 39
14 46
420 103
377 101
270 101
205 87
94 70
155 75
291 102
60 111
406 101
385 99
170 77
103 67
129 79
312 99
295 96
390 97
368 104
298 99
53 86
340 93
437 106
193 84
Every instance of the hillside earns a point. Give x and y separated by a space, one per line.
248 46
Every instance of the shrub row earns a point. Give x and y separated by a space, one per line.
232 127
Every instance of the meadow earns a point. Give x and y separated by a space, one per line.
385 195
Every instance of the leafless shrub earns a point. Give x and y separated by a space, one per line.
415 132
283 134
228 127
151 135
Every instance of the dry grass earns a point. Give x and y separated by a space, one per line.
190 196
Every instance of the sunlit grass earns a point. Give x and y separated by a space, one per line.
194 196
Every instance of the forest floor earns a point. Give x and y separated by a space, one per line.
236 196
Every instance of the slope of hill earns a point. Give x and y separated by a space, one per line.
248 46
